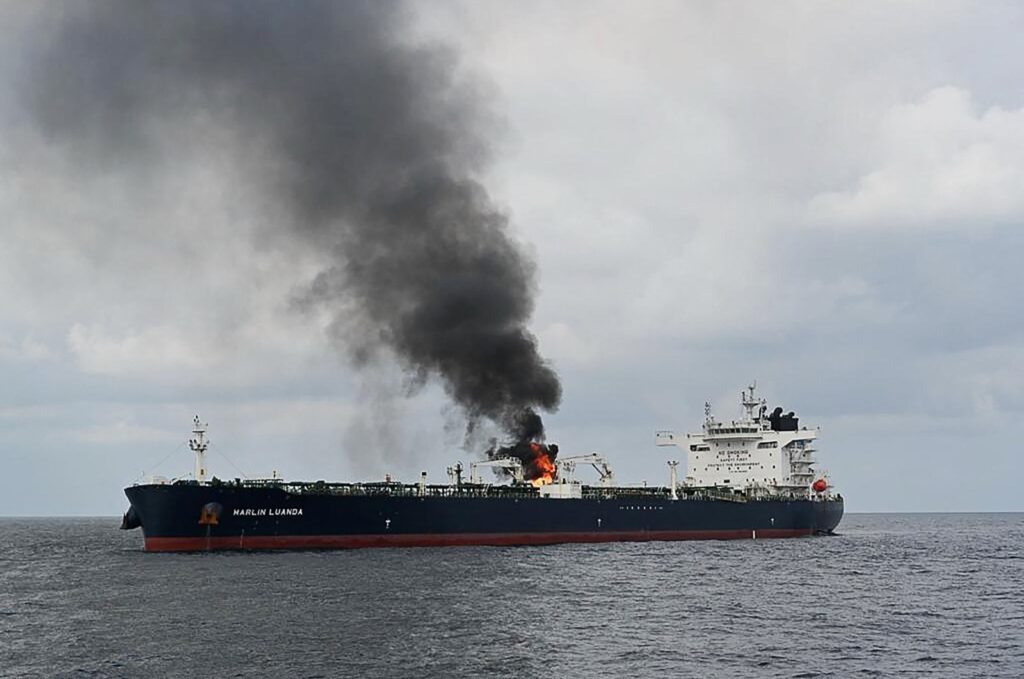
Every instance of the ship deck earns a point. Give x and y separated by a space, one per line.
523 491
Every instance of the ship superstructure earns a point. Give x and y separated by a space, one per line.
760 453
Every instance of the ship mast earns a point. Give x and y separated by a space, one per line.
198 444
750 402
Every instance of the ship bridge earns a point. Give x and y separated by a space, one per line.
759 453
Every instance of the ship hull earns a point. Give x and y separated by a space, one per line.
192 517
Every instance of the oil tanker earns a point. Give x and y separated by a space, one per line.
749 478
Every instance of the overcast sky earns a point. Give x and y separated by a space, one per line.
826 198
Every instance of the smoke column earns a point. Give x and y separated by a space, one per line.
376 145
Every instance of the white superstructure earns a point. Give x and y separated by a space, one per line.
759 452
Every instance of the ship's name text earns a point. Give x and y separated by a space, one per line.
265 511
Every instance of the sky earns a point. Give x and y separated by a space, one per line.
824 198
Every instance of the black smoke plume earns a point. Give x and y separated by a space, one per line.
375 143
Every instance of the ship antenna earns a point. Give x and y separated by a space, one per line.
198 444
750 402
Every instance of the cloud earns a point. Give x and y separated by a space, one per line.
157 350
123 433
985 382
28 349
939 162
566 346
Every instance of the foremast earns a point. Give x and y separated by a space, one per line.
199 444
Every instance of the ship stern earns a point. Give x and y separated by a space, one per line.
827 515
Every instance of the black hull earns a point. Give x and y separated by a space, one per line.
190 517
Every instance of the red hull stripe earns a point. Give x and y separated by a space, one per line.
192 544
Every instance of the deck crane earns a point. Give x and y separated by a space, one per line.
596 460
508 464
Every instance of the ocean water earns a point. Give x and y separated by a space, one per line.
909 595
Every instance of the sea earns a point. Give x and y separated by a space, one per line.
908 595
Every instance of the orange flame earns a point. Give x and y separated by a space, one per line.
540 466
